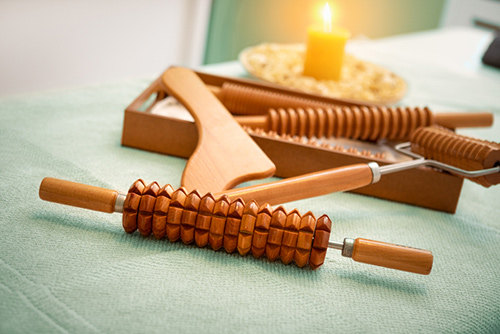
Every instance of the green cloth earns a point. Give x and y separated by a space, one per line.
64 269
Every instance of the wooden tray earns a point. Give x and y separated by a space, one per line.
425 187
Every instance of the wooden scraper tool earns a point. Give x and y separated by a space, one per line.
225 155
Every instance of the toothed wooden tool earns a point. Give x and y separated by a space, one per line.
225 155
364 123
239 225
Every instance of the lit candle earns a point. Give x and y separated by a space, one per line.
325 49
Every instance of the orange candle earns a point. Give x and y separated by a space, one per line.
325 49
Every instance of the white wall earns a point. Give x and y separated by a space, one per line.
464 12
51 44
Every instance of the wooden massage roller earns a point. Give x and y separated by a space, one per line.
475 159
463 152
218 221
243 100
363 122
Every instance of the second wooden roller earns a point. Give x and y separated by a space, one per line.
363 122
475 159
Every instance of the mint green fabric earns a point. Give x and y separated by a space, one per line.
64 269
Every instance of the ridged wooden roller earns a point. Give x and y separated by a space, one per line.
240 226
464 152
363 122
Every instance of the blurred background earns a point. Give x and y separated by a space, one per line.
54 44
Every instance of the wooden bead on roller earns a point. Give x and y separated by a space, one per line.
160 211
218 222
232 228
261 231
247 227
363 122
203 220
460 151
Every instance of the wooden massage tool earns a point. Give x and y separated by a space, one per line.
363 123
434 146
225 155
243 100
245 226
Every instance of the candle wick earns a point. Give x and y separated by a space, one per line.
327 26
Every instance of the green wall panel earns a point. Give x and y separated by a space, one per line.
236 24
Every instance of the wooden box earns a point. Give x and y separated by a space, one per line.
425 187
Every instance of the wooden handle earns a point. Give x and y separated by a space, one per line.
225 155
77 194
387 255
253 121
454 120
305 186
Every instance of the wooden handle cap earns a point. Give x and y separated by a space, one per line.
77 194
392 256
454 120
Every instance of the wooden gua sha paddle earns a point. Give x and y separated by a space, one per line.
239 225
225 155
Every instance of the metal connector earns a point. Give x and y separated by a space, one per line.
375 171
348 248
120 200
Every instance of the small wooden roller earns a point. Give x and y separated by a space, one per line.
217 221
363 122
475 159
463 152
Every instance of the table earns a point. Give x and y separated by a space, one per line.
64 269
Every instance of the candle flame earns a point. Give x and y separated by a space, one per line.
327 18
